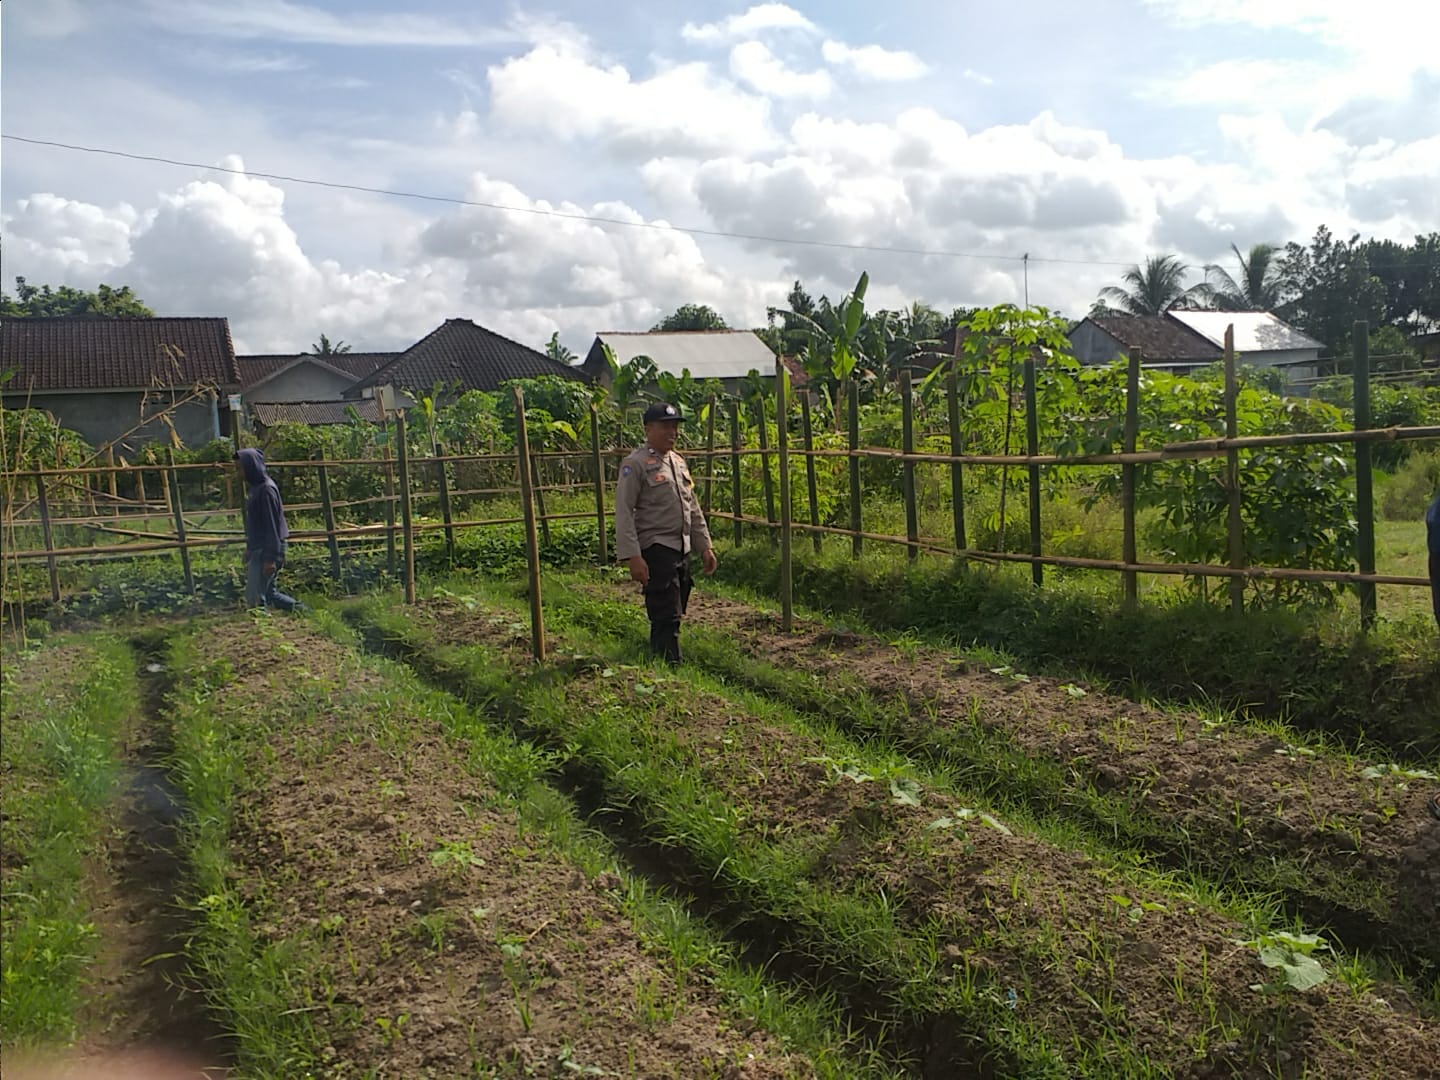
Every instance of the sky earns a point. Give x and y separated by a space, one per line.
932 143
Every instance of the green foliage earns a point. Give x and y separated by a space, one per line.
42 301
1152 289
326 347
692 317
1412 488
32 439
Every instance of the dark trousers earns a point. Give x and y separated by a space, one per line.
666 596
1435 584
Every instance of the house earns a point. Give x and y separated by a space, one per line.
1261 339
274 377
1161 341
267 414
726 355
458 356
122 381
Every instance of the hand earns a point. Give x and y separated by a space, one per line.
708 562
639 569
268 567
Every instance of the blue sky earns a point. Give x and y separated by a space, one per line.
1087 135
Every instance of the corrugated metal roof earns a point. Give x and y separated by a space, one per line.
708 354
1255 331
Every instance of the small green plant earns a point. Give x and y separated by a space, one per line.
1292 959
456 855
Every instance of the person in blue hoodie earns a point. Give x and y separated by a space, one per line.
266 535
1432 539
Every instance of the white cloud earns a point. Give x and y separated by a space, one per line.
759 18
874 61
753 63
678 110
281 20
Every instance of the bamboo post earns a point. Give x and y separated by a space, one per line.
141 497
443 476
237 429
782 445
1130 581
709 454
532 544
852 408
389 508
327 507
1233 525
111 481
736 500
1032 442
44 502
173 481
1364 480
957 471
765 481
539 490
407 521
811 487
907 467
598 464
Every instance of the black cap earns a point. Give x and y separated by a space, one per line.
662 412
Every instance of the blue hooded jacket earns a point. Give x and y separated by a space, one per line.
1432 526
265 528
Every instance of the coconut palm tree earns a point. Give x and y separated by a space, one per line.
1152 289
1258 288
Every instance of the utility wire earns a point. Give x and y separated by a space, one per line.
593 219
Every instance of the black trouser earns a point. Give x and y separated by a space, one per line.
1435 584
666 596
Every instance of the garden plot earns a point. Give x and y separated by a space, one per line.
982 945
1346 841
385 889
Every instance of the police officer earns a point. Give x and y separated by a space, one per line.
658 523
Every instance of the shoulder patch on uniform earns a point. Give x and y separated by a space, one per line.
626 470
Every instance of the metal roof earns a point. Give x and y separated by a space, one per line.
708 354
1255 331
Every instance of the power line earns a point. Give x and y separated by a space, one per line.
594 219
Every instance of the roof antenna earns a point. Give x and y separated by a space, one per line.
1025 260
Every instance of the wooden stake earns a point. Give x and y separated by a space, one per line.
113 485
957 473
327 508
735 488
389 508
1364 478
765 480
709 453
782 442
407 521
443 476
1234 525
811 487
597 464
1130 581
539 490
173 481
45 532
852 408
532 543
1032 440
907 466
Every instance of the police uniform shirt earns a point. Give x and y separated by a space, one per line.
655 504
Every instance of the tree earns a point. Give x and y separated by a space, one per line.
1259 286
1330 286
1410 276
41 302
324 347
1152 289
692 317
557 351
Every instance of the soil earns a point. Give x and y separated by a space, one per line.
1052 927
507 957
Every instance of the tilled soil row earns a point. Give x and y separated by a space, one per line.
1104 977
1348 843
447 938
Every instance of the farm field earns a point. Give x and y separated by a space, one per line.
402 848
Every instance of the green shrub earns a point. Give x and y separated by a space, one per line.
1412 488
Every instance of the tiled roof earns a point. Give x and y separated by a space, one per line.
1159 339
315 413
256 368
113 354
458 353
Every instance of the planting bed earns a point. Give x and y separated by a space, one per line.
386 889
1346 841
981 945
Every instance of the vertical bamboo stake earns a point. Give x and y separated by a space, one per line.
782 444
1130 581
407 521
736 500
539 490
907 467
532 544
1233 525
173 481
389 508
111 482
811 487
957 471
1032 442
49 538
141 497
765 481
597 464
327 507
852 408
709 454
442 474
1364 481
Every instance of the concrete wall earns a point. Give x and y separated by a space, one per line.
101 417
304 382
